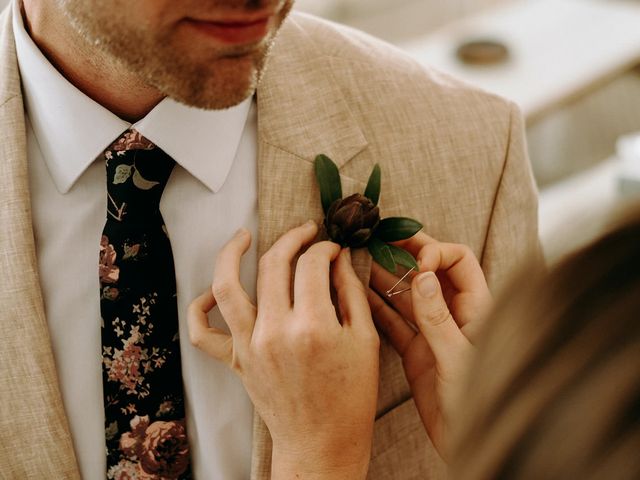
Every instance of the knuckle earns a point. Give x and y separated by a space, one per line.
308 259
430 256
192 309
438 317
264 343
268 351
222 290
312 260
308 339
465 250
272 258
195 338
424 249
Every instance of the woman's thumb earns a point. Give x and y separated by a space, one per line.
434 319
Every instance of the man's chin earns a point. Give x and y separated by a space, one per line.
223 84
212 102
221 103
220 93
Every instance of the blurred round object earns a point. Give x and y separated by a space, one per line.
482 52
628 147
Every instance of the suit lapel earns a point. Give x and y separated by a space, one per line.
36 443
301 113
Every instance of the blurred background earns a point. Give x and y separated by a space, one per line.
573 66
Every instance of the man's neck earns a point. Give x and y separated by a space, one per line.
88 69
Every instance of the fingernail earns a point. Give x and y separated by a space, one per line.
427 284
240 232
347 253
310 223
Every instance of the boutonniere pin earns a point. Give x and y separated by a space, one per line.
355 221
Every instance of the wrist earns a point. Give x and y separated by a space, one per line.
321 460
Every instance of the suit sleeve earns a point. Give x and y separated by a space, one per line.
512 235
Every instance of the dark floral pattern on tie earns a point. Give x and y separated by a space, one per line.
144 405
129 365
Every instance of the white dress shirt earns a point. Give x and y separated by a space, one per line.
211 193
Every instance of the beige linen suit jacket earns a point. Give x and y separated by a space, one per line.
451 156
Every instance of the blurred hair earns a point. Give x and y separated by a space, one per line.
554 392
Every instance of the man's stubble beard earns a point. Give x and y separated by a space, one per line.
225 79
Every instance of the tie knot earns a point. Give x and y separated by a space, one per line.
137 172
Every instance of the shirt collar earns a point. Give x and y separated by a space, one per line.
72 130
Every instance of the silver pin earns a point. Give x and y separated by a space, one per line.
390 293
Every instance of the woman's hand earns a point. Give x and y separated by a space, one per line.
432 326
312 378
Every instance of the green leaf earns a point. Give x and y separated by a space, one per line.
328 181
381 253
372 191
404 258
393 229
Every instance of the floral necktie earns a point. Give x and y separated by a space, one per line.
141 372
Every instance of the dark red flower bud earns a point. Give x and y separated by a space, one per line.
351 221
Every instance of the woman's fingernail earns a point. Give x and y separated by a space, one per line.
241 231
427 284
310 223
347 253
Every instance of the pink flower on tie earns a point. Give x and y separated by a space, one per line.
124 366
161 447
109 272
132 140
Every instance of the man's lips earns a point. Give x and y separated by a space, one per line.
234 31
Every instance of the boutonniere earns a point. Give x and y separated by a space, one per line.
355 221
